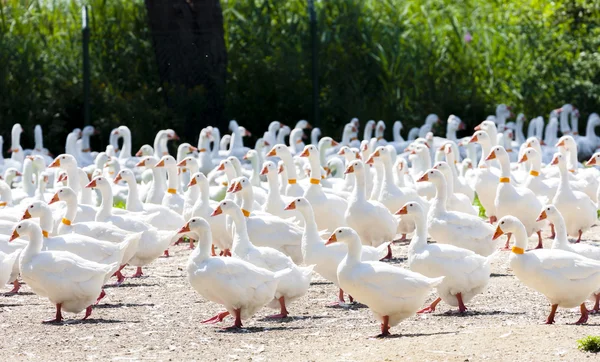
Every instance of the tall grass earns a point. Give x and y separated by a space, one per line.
378 59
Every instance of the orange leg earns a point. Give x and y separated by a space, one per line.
539 245
596 308
58 318
385 328
431 308
550 319
283 310
461 305
238 321
216 319
584 315
579 238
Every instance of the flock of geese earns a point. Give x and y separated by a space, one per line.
261 220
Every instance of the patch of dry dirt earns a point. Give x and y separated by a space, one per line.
158 318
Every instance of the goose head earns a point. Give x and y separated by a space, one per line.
167 161
198 179
171 135
434 176
10 174
529 154
594 160
239 184
227 207
444 168
189 161
279 151
303 124
148 162
64 161
314 135
411 209
568 142
25 228
310 151
64 194
260 144
274 126
125 175
296 136
498 152
185 149
559 160
301 204
509 225
487 126
379 131
269 168
342 234
480 137
251 156
549 212
196 225
432 119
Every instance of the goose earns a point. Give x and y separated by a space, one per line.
455 228
329 209
283 132
171 199
578 210
74 180
584 179
314 136
156 192
159 216
275 201
371 220
183 150
430 121
7 265
203 208
271 135
16 151
536 181
586 145
69 281
296 143
460 185
191 195
466 273
392 196
152 242
565 278
327 258
391 293
293 189
241 287
514 200
292 285
39 148
561 242
455 201
564 113
205 157
266 229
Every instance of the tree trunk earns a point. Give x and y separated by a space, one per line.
189 44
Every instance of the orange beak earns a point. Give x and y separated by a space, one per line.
334 143
280 169
542 216
371 160
402 211
376 154
235 187
14 235
523 159
91 184
342 152
473 139
141 163
561 143
272 153
192 182
26 215
161 163
350 169
245 157
221 167
183 163
193 149
592 161
423 178
138 153
498 233
478 127
305 153
332 239
291 206
267 143
54 199
554 161
264 170
18 173
55 163
217 211
118 178
184 229
491 156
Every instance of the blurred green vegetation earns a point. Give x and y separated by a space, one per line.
379 59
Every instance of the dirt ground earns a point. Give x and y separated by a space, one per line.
158 318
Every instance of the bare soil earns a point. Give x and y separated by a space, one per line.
158 318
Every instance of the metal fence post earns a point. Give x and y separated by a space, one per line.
315 73
86 65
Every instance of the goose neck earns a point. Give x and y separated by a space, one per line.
133 199
441 195
290 168
106 204
173 178
34 246
560 240
354 250
126 150
241 241
71 212
419 239
359 192
247 199
202 252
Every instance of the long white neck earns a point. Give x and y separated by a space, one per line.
560 240
126 150
247 198
106 206
216 135
368 132
28 179
273 195
70 214
504 166
419 239
315 168
486 146
360 189
441 195
563 184
290 168
133 202
354 250
73 178
173 178
590 130
34 246
241 240
46 221
202 252
255 176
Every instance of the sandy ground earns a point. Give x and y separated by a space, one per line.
158 318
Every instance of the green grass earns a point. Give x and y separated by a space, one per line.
589 344
477 203
119 204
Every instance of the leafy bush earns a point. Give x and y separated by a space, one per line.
589 344
378 59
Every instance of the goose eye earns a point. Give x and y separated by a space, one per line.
31 206
410 205
339 231
19 226
548 209
502 222
61 191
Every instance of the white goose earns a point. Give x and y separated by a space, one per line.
455 201
69 281
172 199
561 242
565 278
514 200
241 287
371 220
295 281
392 293
466 273
456 228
